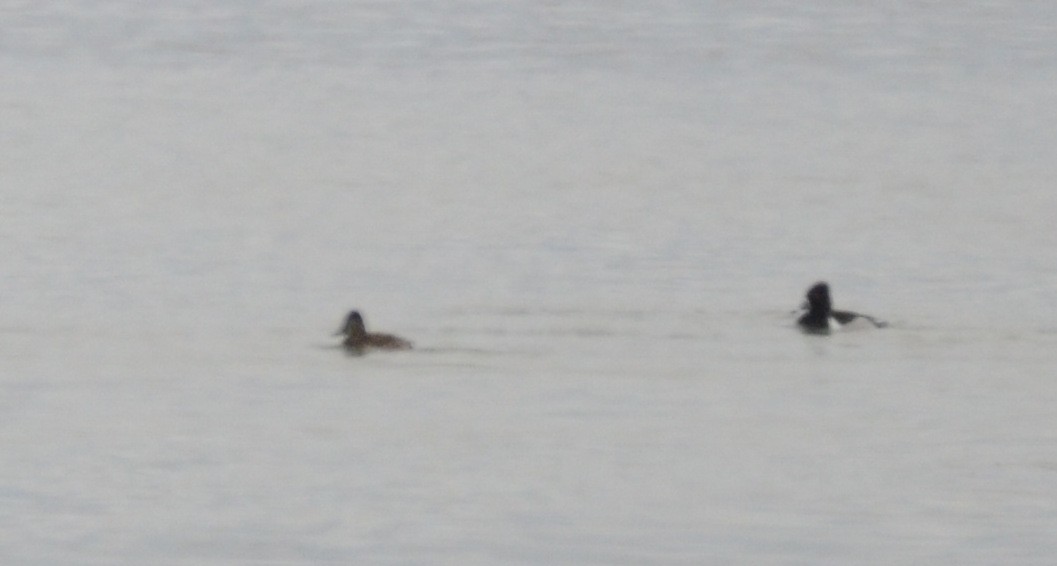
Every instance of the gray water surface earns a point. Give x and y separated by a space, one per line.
593 219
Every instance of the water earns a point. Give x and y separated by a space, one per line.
592 218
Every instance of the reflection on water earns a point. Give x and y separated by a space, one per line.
593 221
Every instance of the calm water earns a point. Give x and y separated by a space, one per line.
593 218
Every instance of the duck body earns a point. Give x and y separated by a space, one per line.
821 318
357 340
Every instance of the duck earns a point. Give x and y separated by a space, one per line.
821 318
358 340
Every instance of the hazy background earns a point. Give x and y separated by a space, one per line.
592 218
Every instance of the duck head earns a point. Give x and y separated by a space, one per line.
353 325
818 298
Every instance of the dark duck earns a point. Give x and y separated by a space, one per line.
358 340
821 318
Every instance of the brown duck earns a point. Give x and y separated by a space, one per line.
358 340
